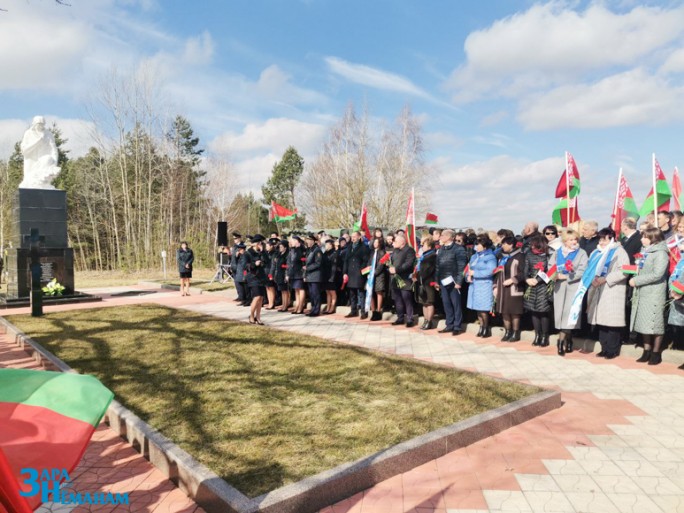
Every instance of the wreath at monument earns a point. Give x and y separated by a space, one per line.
53 288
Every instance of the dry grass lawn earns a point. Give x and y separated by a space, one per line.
259 406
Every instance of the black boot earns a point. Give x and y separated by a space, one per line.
376 316
537 339
487 332
507 336
568 344
646 356
545 340
515 336
481 332
656 358
363 315
561 347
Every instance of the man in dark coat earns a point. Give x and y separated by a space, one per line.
530 231
313 274
402 263
589 240
631 242
355 260
451 262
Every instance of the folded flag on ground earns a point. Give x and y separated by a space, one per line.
46 421
630 269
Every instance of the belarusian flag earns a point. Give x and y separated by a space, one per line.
280 214
663 192
411 221
677 287
385 258
560 213
431 218
570 179
46 421
498 269
366 270
624 206
362 223
677 195
630 269
552 273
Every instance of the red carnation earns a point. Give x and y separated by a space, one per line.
303 259
638 256
519 244
539 266
569 267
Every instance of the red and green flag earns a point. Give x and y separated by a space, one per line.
624 206
630 269
411 221
677 195
362 224
564 209
677 287
46 421
385 258
280 214
567 190
569 183
498 270
552 273
366 270
662 193
431 218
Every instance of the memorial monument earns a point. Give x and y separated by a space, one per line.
41 208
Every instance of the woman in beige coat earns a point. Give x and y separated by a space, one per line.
571 261
607 294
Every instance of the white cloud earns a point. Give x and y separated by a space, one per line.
551 43
274 135
373 77
199 50
632 98
276 85
506 192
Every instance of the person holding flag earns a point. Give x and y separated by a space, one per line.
537 299
401 271
606 284
676 285
569 263
481 279
377 266
425 275
650 294
509 283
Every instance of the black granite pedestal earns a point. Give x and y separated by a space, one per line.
44 210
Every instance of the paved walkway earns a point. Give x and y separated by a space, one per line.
616 444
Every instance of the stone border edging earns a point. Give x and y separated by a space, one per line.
168 286
312 493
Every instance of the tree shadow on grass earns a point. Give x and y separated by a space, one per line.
223 390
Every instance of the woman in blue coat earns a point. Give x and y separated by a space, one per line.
481 279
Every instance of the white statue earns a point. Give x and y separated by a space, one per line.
40 156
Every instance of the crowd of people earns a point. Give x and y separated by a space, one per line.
620 288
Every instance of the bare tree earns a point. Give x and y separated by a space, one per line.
352 167
334 184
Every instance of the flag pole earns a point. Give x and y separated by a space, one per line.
567 190
655 191
413 195
615 206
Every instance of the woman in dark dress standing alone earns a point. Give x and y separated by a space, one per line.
185 258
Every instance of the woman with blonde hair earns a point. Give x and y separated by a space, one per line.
570 261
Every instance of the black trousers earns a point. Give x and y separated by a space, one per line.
315 297
242 290
403 302
609 338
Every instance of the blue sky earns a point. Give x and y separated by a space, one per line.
502 88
